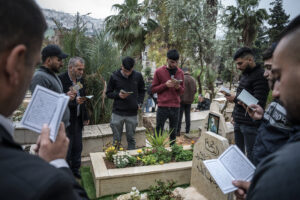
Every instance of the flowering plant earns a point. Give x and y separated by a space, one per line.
109 152
135 194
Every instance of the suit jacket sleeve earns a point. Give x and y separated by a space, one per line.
63 187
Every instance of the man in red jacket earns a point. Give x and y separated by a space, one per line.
168 84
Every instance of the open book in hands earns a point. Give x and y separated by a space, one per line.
247 98
45 107
225 91
125 92
231 165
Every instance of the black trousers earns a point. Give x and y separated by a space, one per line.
74 133
171 113
186 108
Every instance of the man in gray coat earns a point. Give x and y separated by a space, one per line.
45 76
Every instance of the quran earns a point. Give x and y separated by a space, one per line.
45 107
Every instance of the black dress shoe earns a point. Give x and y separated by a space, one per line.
77 175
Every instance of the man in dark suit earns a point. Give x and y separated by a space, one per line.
25 176
72 80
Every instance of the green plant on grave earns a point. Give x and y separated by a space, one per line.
161 191
158 139
185 155
176 149
181 155
149 160
132 160
162 155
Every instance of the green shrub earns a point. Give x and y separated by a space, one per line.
161 191
185 155
157 139
149 160
163 155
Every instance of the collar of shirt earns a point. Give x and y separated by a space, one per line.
123 74
7 124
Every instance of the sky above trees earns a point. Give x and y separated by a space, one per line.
103 8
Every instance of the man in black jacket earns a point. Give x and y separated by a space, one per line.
24 176
274 130
252 80
72 80
126 86
277 176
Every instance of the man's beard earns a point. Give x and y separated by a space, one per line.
55 70
292 114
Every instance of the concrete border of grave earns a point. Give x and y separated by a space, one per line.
112 181
197 120
94 137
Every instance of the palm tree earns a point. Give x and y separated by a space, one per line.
127 28
246 18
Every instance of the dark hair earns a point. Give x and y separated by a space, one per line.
173 54
128 63
268 53
22 22
242 52
291 27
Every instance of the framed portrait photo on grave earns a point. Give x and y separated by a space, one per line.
213 123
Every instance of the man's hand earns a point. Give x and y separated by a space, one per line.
48 150
230 98
123 95
177 85
254 110
80 100
72 95
170 83
243 187
86 122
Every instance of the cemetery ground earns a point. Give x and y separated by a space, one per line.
193 176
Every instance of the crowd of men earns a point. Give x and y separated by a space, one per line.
270 138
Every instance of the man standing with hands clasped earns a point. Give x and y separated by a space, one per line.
127 88
168 83
72 81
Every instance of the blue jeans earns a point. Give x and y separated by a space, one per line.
117 123
245 137
148 104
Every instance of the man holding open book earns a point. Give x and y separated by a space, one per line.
277 176
72 80
127 88
253 81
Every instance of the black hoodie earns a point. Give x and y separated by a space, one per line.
134 83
